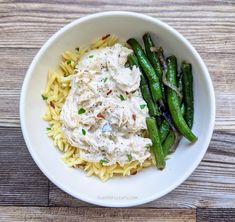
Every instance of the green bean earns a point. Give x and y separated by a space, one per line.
156 142
154 83
144 87
168 143
153 111
187 80
162 107
173 101
152 55
164 130
154 60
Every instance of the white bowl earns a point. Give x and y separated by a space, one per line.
150 183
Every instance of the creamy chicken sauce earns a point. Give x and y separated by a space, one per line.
104 113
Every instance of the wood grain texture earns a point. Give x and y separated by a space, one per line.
216 215
211 185
21 182
209 25
59 214
25 25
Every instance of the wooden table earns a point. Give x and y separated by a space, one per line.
27 195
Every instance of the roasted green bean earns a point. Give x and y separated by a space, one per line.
153 79
168 143
151 53
164 130
156 142
187 80
173 101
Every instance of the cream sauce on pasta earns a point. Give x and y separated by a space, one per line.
104 113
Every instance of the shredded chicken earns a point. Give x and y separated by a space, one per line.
104 113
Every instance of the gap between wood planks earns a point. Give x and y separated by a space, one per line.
34 214
64 214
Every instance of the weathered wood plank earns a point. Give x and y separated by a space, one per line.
29 214
218 215
21 182
211 185
26 25
212 32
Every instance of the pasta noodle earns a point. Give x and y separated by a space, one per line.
55 93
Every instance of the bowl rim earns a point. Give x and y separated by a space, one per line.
24 92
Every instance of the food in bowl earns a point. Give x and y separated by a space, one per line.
114 109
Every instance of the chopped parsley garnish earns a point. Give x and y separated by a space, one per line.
48 128
91 56
142 106
68 62
44 97
129 157
83 132
103 161
122 97
105 79
81 111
